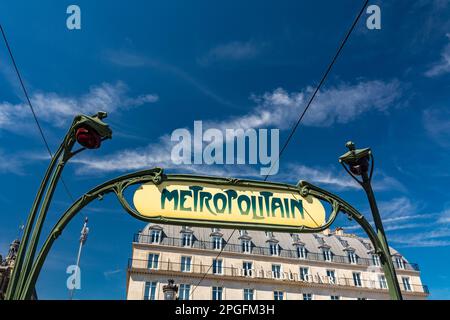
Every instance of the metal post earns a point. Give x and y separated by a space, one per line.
387 264
357 162
89 132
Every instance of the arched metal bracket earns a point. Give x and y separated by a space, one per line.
119 185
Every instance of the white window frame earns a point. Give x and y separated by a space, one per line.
327 255
352 257
304 276
186 239
329 271
215 293
182 292
382 281
247 272
276 274
246 246
309 295
153 263
301 252
376 260
217 242
407 284
274 249
277 294
150 290
184 266
400 262
155 236
249 291
357 279
217 267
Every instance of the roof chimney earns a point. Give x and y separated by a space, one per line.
339 231
326 232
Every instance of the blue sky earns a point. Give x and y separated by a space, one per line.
157 66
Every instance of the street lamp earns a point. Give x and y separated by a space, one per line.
170 290
359 162
89 132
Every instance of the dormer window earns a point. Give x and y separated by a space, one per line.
327 254
352 257
301 252
246 246
400 262
274 249
217 243
375 260
186 239
155 236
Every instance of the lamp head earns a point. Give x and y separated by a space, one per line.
91 130
357 160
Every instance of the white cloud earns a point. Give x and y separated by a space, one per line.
437 125
428 238
340 104
276 109
58 110
445 216
443 65
233 51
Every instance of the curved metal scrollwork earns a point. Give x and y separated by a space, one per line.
156 176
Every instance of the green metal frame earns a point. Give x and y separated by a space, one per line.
118 186
27 268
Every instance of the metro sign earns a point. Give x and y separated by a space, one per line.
217 202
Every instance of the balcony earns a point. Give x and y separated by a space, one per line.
287 277
265 251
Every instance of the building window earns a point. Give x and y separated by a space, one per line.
304 272
382 281
301 252
278 295
184 293
155 236
327 255
400 263
152 262
150 290
307 296
274 249
248 294
217 243
217 293
246 246
247 267
376 260
217 266
406 284
276 271
186 240
352 257
186 264
331 276
357 279
335 298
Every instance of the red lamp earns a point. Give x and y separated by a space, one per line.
88 138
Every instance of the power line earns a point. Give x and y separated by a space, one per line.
41 131
217 257
324 77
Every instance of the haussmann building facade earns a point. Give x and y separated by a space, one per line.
258 265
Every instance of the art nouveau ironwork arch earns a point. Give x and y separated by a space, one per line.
119 185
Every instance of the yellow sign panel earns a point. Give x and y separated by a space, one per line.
207 202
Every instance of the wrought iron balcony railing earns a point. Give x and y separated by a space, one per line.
259 273
265 251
